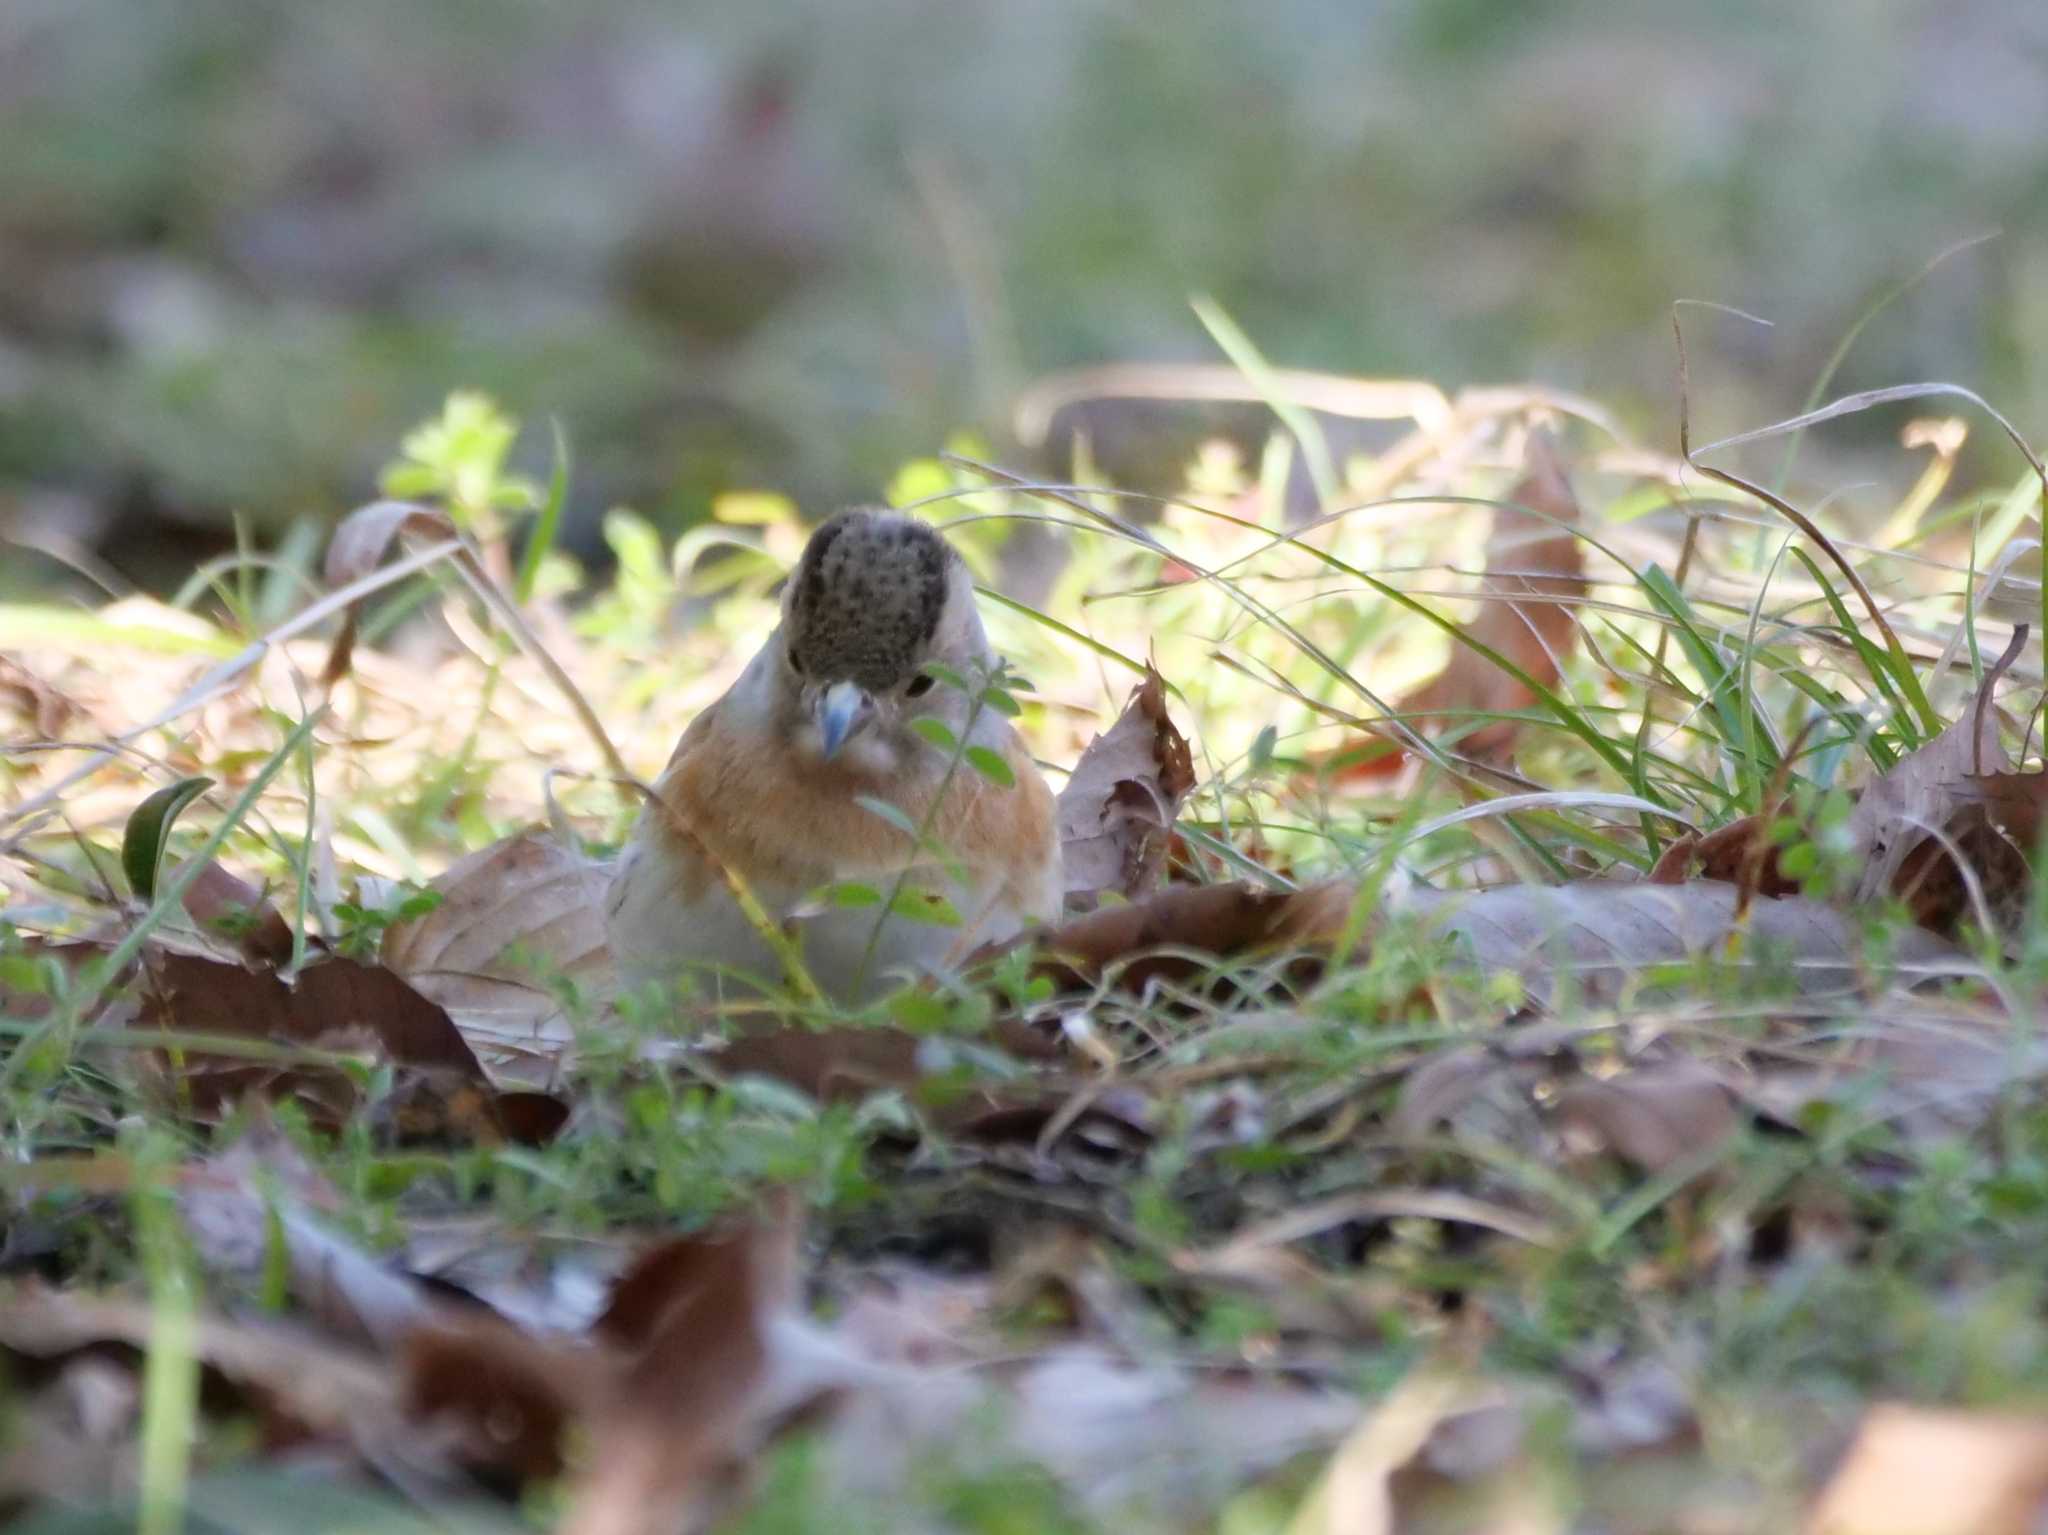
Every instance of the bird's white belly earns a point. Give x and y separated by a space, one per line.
658 937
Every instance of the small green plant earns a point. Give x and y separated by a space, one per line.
363 928
459 459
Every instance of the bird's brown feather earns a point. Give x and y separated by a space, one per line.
780 823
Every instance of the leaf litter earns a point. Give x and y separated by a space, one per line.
1535 1072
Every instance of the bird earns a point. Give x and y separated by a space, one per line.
803 784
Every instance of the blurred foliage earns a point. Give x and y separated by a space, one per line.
783 248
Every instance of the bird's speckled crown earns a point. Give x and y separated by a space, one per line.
867 598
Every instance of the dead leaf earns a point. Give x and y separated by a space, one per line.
847 1063
498 1401
1117 810
1932 1068
515 920
1739 853
441 1094
71 1437
74 1365
327 1388
1920 796
226 903
39 971
358 547
1929 1471
1655 1117
1475 1090
1992 833
1119 1434
261 1193
1172 933
698 1318
39 704
1605 935
1951 829
1535 571
332 999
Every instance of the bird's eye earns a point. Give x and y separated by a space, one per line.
920 685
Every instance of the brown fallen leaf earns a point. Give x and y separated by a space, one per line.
698 1318
1173 933
515 919
358 547
1535 570
1737 854
1117 810
226 903
1980 867
330 1000
499 1402
1921 795
1605 935
326 1387
262 1195
1952 828
1931 1471
1656 1117
39 971
338 1004
848 1063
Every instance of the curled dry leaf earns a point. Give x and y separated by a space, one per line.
1535 570
358 547
1116 813
1921 795
1174 932
1993 834
1950 830
516 919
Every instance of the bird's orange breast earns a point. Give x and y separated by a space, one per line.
788 825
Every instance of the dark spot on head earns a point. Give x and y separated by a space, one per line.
867 598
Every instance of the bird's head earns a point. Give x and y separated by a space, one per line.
876 598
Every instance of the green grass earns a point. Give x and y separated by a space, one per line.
1722 672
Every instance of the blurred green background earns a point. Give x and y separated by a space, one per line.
245 243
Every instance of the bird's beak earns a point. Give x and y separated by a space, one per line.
842 708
